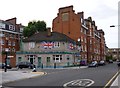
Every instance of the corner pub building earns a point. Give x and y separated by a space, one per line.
47 49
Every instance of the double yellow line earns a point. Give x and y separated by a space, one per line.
110 81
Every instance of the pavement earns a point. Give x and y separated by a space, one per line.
14 75
116 83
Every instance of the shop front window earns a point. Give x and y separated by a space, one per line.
57 58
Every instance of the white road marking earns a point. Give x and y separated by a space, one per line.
79 82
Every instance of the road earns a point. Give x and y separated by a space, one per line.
99 76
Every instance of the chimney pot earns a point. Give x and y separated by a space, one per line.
49 31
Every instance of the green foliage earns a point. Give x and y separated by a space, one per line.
33 27
109 58
3 52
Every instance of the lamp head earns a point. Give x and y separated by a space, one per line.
112 26
78 40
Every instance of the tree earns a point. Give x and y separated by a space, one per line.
34 27
109 57
40 26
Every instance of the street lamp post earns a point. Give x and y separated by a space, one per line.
5 68
79 44
118 42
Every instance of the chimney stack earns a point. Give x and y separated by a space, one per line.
49 31
81 14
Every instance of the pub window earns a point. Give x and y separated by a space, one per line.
68 58
57 58
60 57
19 59
32 45
48 59
53 57
56 44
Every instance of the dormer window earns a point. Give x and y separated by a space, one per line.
21 29
11 27
31 45
2 25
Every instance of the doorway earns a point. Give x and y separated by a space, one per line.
31 59
39 62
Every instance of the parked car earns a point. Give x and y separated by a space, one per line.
2 66
93 64
25 65
118 64
118 60
110 61
83 63
101 63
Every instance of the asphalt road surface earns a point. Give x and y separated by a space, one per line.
96 77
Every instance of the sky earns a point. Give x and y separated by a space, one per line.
103 12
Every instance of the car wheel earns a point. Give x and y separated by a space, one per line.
31 67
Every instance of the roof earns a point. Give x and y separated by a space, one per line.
43 36
8 23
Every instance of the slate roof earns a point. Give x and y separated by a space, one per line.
43 36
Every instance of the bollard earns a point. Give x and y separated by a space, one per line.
5 69
54 65
42 66
34 69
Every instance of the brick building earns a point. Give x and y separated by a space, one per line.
114 52
76 26
10 33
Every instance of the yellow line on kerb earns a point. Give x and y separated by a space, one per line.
111 80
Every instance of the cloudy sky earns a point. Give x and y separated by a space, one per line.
104 12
